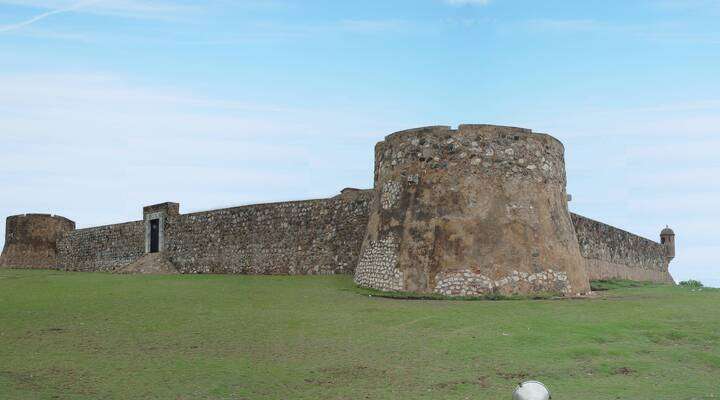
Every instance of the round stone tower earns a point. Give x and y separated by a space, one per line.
31 240
477 210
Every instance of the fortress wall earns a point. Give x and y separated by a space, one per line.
296 238
102 248
461 212
610 252
481 209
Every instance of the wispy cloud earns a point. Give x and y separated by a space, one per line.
118 8
40 17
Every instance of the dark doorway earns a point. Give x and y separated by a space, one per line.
154 235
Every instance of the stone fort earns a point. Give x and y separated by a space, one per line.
461 212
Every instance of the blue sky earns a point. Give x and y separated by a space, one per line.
109 105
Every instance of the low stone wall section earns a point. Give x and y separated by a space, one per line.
103 248
611 253
293 238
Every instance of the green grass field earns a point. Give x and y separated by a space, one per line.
101 336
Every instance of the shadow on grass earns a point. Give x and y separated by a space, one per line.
611 284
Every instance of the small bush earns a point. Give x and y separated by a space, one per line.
691 283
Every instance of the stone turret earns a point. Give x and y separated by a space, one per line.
667 238
31 240
477 210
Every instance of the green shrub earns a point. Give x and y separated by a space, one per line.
691 283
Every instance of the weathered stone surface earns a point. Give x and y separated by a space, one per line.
469 283
303 237
610 252
296 238
378 267
31 240
103 248
471 211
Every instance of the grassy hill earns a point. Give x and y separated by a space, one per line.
91 335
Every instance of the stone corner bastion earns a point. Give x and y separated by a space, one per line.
31 240
470 211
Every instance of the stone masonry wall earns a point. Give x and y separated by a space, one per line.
324 236
610 252
102 248
302 237
294 238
